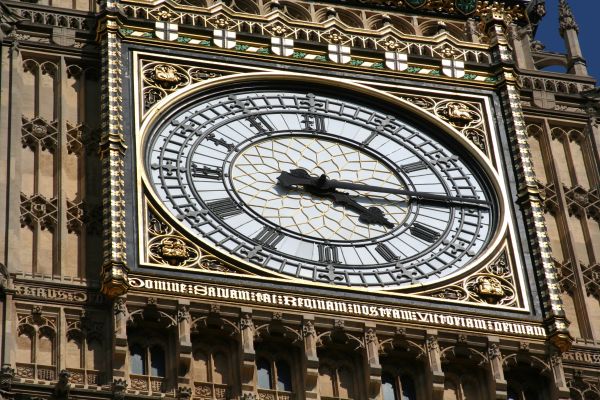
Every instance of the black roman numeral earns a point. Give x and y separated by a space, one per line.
313 122
269 237
385 252
224 208
206 171
260 123
328 254
220 141
423 232
412 167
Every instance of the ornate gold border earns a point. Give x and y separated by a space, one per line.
497 243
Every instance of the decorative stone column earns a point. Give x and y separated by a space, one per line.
248 359
373 366
436 374
311 360
184 344
120 344
499 388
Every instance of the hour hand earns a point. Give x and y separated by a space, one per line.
296 177
371 215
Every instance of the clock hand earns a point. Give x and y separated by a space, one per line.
371 215
300 177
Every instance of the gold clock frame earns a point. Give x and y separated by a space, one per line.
504 240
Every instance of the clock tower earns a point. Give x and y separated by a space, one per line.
288 200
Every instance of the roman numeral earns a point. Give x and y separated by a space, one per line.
328 254
313 122
220 141
369 139
269 237
260 123
385 252
423 232
206 171
412 167
224 208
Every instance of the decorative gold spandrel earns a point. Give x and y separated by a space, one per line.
165 246
161 78
465 116
493 284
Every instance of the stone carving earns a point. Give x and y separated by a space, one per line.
120 306
308 329
119 386
493 284
489 289
172 250
63 387
7 374
246 322
370 336
37 132
494 351
566 18
37 209
184 393
183 313
75 213
161 79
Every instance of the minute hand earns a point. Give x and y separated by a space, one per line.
333 184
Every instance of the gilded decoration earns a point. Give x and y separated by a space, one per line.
167 247
466 117
161 79
493 284
386 31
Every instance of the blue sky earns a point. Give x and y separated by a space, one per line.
587 15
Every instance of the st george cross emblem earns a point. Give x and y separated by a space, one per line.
166 31
224 38
282 46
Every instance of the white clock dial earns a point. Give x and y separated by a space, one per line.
254 175
322 188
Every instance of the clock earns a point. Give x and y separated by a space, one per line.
322 184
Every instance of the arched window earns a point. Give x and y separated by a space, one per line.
337 381
409 391
263 370
398 388
137 360
274 375
220 368
24 344
284 376
157 361
73 353
45 350
388 387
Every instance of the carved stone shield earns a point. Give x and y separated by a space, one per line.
466 6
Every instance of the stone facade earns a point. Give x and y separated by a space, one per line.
104 297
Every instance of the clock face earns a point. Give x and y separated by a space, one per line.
321 187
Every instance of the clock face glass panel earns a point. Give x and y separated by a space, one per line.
321 187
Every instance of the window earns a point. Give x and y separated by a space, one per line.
138 360
143 359
157 361
518 394
148 368
336 381
211 366
273 375
398 387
